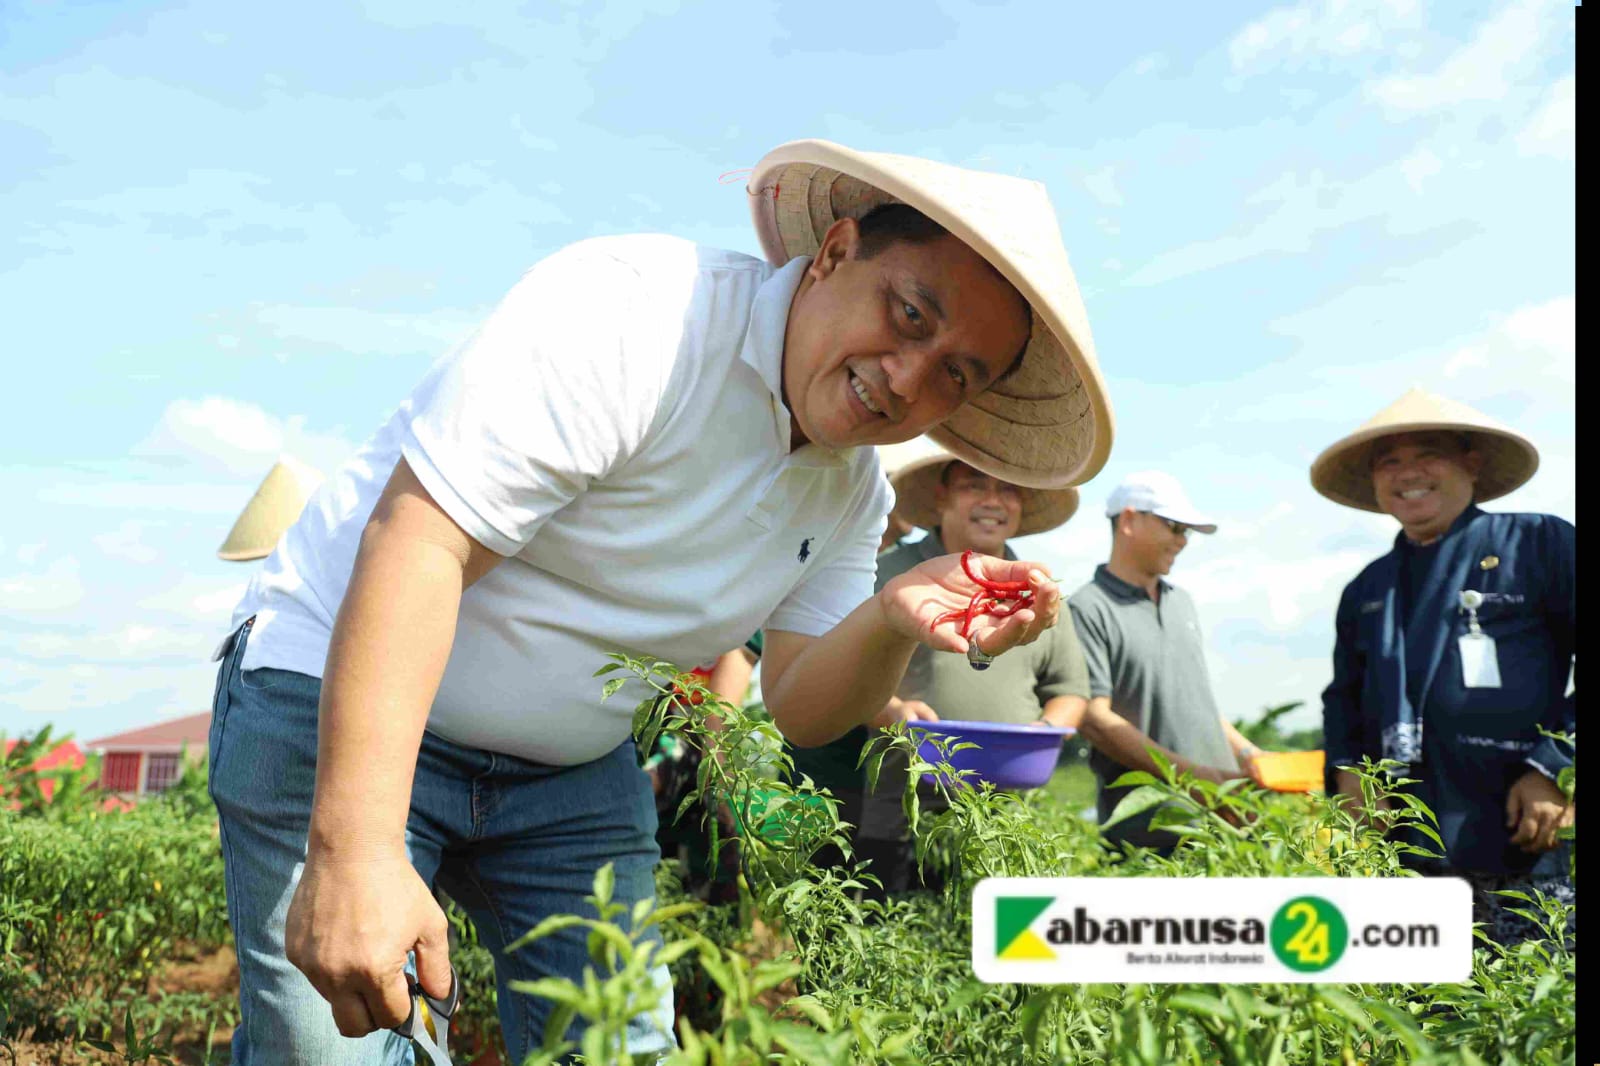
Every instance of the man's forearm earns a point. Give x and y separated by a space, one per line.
389 647
840 679
1124 743
1237 741
1064 712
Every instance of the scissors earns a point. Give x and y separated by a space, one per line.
428 1024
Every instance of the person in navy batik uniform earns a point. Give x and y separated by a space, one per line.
1454 651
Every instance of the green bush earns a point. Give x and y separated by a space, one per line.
90 907
892 983
94 903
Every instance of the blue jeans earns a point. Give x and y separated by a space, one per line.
511 841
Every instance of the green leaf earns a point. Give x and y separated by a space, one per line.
553 924
1198 1003
557 989
1136 802
672 911
813 1009
1136 777
605 883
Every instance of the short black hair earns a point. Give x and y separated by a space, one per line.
950 467
886 224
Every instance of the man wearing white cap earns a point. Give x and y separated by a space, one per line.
1453 651
1149 687
963 509
649 446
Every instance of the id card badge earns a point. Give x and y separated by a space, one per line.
1480 668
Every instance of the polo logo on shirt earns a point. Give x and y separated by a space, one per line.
1371 606
805 549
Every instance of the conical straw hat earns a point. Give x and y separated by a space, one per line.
1047 426
917 465
1343 472
278 501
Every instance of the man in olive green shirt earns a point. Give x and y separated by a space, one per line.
1046 681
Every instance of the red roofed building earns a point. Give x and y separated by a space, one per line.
65 755
149 760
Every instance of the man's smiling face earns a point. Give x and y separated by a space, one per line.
880 348
1425 480
976 511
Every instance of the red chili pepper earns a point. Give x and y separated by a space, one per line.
693 697
1004 599
995 587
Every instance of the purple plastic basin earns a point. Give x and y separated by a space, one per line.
1008 756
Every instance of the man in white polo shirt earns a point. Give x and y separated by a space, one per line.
650 446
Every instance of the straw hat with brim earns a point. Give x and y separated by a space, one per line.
917 481
1343 472
1048 425
278 501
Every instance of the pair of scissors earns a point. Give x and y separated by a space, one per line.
428 1024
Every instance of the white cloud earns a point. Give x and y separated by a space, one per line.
236 437
1302 205
58 587
1553 130
1419 166
1484 69
1540 341
197 599
132 643
186 498
1293 36
126 542
1521 366
357 331
90 700
1102 185
228 433
1283 591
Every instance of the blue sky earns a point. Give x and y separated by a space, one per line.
235 231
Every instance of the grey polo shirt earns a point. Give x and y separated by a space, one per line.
1148 657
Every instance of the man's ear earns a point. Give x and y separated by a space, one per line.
1472 463
838 244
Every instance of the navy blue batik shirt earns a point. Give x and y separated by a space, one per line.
1398 690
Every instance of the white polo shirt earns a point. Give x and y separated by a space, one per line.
615 429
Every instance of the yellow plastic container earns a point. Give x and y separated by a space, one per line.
1290 771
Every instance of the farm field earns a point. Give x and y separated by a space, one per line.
114 946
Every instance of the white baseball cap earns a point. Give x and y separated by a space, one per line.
1161 495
